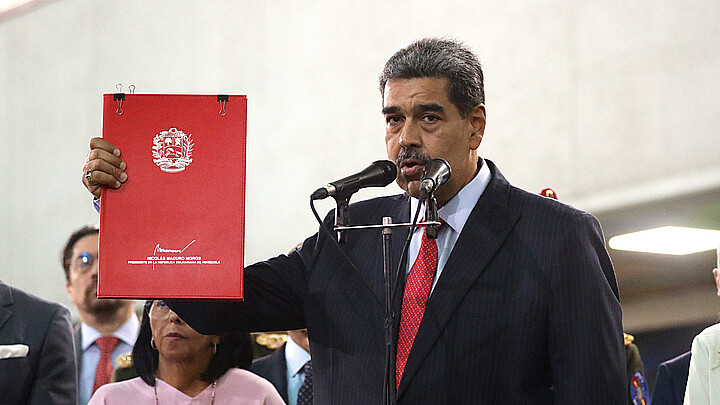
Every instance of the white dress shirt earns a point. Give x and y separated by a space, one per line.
455 214
295 359
127 333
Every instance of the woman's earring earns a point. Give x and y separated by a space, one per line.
152 343
214 348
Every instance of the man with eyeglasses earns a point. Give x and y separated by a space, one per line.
108 327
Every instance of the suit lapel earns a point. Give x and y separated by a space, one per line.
280 372
6 303
485 231
77 334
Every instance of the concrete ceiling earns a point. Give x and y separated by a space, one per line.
662 279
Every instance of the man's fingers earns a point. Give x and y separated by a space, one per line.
90 183
103 167
99 143
93 189
99 168
103 155
98 178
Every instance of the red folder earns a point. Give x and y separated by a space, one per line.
175 229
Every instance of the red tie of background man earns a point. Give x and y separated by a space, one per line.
104 367
417 290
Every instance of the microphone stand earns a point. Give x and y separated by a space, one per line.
389 320
431 215
341 214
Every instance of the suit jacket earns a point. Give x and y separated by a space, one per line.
526 310
46 374
703 385
77 339
671 381
273 368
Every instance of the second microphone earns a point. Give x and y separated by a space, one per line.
379 174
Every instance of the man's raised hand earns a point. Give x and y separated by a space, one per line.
103 167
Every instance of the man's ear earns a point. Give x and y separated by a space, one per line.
477 120
69 290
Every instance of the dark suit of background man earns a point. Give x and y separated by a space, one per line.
106 326
37 363
286 367
671 381
523 307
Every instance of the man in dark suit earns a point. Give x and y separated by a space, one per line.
671 381
273 368
37 363
515 302
287 367
108 323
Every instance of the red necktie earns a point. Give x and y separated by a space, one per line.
417 290
104 367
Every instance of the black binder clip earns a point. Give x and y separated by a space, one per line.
222 98
119 97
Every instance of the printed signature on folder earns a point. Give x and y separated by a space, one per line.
160 249
167 256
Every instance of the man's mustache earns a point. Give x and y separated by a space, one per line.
412 153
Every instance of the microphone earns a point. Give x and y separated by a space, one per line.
378 174
437 172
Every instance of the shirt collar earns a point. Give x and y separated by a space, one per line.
295 356
127 332
457 211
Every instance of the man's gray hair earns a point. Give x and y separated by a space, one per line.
436 58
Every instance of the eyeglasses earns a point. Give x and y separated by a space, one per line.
85 261
158 309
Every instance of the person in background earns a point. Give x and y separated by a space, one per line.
180 366
37 364
108 327
671 381
703 381
289 369
637 384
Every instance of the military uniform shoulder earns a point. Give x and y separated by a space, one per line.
265 343
125 370
124 360
628 339
637 383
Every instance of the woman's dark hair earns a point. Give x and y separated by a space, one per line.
234 350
